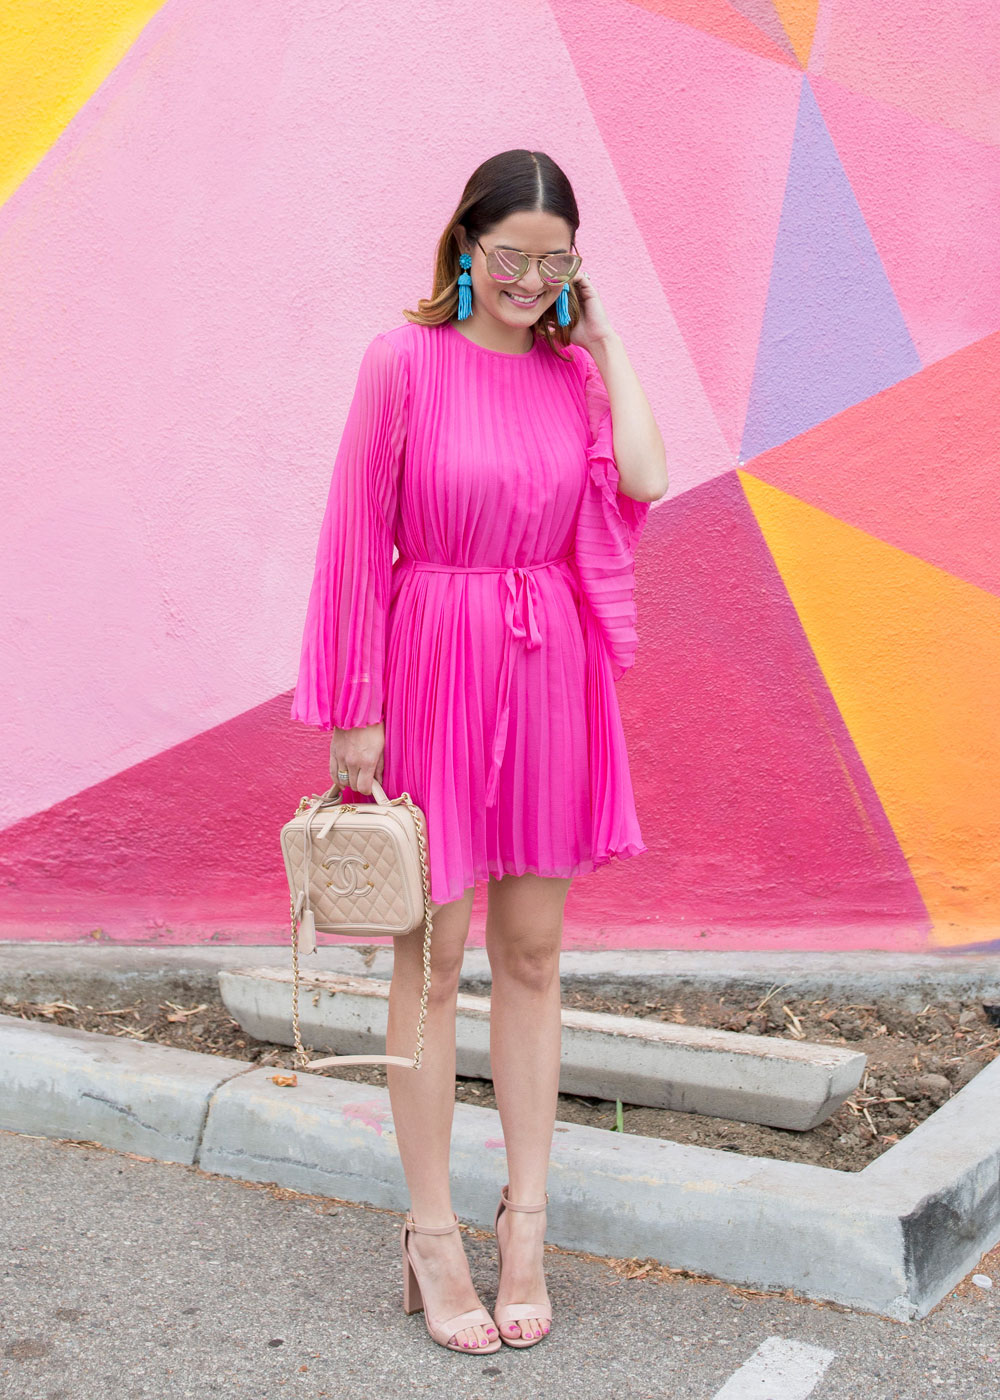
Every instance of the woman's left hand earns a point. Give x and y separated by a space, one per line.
593 324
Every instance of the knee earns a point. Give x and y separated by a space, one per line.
532 966
445 973
450 930
446 970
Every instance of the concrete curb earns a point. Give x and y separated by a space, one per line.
123 1093
84 971
892 1240
754 1079
747 1220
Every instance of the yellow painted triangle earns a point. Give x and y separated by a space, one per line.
798 17
912 657
53 57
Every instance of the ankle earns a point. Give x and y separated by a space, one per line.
432 1222
525 1198
525 1222
530 1195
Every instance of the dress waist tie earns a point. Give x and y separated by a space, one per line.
521 627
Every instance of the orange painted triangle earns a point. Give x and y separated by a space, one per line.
912 658
799 20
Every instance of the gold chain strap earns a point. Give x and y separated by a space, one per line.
301 1058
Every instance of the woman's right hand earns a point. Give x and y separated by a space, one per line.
360 753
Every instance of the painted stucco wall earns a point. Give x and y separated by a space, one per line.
208 208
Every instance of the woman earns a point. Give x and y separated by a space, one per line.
477 673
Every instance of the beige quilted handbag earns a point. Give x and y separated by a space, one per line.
357 869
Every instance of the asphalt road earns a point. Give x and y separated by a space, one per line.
124 1278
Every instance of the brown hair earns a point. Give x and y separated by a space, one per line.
505 184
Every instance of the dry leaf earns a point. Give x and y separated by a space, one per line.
179 1014
50 1008
795 1030
285 1081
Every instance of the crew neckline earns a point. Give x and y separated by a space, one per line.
505 354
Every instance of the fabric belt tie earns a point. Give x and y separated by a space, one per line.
521 628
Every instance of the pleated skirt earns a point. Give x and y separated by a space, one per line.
459 645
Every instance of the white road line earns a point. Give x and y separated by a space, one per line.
778 1370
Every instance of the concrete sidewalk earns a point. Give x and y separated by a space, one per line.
127 1279
892 1239
86 970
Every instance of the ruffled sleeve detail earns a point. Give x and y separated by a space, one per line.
341 667
608 530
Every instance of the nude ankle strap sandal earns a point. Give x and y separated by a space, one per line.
442 1331
510 1312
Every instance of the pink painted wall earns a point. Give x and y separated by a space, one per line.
207 212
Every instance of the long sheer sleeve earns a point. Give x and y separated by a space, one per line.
340 682
609 527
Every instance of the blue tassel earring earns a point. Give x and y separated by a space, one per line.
464 288
562 306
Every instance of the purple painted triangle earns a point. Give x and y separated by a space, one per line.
833 333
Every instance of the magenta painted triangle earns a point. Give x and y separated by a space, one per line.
752 799
185 842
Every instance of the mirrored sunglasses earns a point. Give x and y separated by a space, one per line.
508 265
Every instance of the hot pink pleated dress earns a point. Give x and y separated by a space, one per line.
490 646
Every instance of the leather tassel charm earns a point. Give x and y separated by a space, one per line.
307 932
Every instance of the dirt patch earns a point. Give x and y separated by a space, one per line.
916 1061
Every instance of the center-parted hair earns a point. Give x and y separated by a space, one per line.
508 183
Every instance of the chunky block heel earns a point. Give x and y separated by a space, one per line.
412 1298
413 1301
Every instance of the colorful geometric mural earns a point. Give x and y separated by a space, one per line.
207 211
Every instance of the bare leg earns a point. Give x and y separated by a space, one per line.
423 1103
523 939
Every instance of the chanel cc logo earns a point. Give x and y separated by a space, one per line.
347 869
